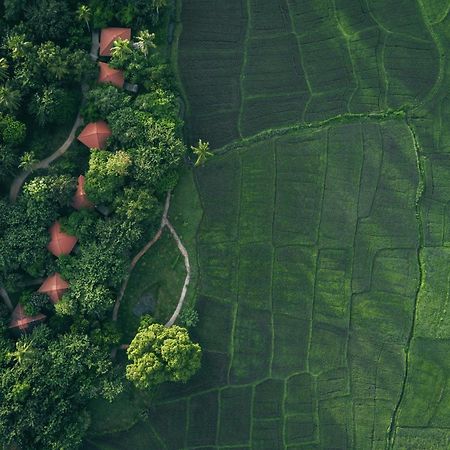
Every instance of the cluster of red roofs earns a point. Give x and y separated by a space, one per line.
94 135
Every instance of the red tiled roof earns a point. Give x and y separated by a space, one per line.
61 243
80 199
54 286
109 75
109 35
95 134
20 320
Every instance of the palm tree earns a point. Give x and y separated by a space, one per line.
159 4
17 44
27 161
145 41
4 66
202 152
84 13
121 49
9 98
24 352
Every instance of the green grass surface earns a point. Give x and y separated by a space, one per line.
323 246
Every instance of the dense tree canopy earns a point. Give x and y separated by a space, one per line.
160 354
46 381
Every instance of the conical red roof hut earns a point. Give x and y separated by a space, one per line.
54 286
109 35
61 243
109 75
95 134
80 199
21 321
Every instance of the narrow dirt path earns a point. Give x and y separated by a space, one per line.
45 163
164 223
4 295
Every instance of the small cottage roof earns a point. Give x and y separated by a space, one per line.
54 286
61 243
95 134
108 75
21 321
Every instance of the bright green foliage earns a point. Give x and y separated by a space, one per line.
201 151
46 383
106 175
145 41
160 102
84 14
137 206
121 51
51 190
153 144
160 354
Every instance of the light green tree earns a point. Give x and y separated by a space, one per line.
202 151
158 354
121 50
145 41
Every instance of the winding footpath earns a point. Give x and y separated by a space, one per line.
164 223
45 163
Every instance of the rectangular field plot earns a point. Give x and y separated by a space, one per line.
255 286
268 399
252 345
290 344
235 415
293 281
203 410
340 201
269 16
169 421
411 69
300 172
217 321
273 67
219 264
257 193
261 113
220 190
267 434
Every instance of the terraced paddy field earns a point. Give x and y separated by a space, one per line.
323 247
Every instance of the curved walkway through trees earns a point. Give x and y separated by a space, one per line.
45 163
164 223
